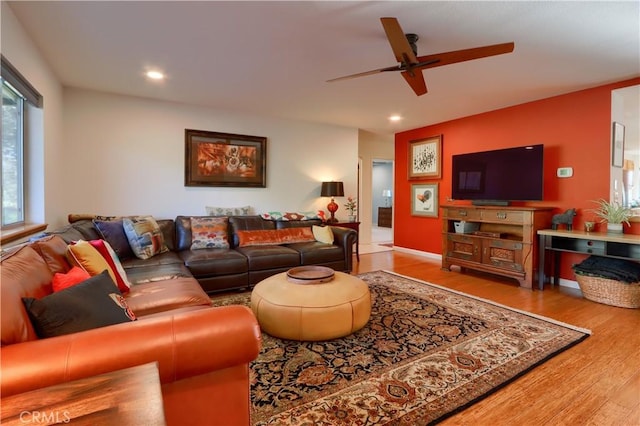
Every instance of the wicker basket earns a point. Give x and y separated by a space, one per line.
609 292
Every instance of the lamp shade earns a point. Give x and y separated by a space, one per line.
386 193
332 189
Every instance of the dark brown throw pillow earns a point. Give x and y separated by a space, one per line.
94 303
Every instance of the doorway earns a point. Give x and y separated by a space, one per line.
382 202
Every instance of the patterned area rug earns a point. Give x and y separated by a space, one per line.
426 353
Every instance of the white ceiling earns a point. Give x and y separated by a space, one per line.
273 58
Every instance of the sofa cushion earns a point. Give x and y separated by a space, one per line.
87 229
144 235
206 263
113 233
76 275
209 232
167 258
159 296
53 249
93 303
24 274
317 253
270 257
150 273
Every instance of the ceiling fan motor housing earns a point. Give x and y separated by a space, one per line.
412 39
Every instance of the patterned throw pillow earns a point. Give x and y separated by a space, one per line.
269 237
209 232
286 216
229 211
145 236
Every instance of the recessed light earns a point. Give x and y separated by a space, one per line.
155 75
395 118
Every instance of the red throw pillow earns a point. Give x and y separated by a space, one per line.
76 275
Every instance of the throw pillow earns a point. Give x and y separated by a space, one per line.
145 236
209 232
229 211
295 235
113 233
76 275
258 237
93 303
323 234
286 216
118 273
84 255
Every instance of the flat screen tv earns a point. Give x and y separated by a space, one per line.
499 176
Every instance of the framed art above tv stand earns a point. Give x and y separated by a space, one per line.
502 241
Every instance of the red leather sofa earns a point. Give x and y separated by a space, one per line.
203 353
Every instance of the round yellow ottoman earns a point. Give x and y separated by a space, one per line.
311 312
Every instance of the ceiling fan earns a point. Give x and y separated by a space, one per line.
411 66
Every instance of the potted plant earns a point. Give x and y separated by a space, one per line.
614 214
350 205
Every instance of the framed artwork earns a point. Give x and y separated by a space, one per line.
224 159
424 199
425 157
618 144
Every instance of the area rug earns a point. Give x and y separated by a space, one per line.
426 354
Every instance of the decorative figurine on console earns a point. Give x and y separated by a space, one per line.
565 218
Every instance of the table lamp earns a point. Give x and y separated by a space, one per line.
332 189
386 193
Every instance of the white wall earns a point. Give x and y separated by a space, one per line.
45 164
371 146
125 155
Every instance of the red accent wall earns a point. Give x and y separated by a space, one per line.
576 132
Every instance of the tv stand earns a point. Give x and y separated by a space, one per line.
501 203
504 241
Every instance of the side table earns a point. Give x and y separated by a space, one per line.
356 227
131 396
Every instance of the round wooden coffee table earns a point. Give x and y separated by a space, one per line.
297 308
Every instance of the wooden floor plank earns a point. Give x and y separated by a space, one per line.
596 382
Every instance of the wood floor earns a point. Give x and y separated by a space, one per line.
597 382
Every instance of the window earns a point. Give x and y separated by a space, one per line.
16 93
12 148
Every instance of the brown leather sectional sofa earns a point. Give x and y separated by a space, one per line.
227 269
202 352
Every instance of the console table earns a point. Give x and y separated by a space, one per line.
502 241
621 246
131 396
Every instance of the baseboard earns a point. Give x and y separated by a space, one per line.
434 256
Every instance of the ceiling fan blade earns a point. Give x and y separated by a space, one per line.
416 81
398 40
362 74
446 58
